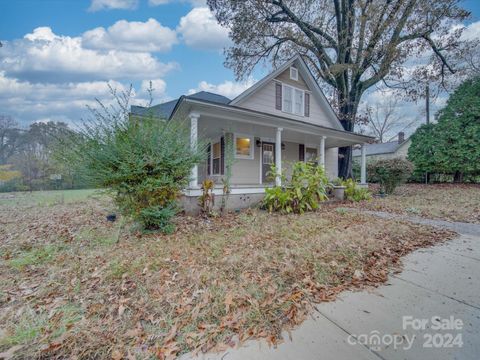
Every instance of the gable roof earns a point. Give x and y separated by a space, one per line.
380 148
312 84
165 110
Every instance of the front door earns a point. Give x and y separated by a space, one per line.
268 160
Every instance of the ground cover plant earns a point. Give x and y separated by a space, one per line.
355 193
454 202
303 191
74 285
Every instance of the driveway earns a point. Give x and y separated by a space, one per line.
431 310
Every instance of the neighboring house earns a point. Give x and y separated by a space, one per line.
283 118
388 150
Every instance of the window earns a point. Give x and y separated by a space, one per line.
216 158
287 98
293 100
268 151
293 73
298 102
311 155
243 147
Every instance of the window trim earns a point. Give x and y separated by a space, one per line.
295 71
252 148
292 99
213 142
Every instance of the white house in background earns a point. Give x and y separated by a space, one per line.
283 118
387 150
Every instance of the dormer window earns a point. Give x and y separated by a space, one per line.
293 73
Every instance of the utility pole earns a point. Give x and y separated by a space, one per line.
427 102
427 109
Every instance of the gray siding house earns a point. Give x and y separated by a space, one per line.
283 118
387 150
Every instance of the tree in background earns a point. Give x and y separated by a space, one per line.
349 45
10 136
385 121
451 146
28 153
33 156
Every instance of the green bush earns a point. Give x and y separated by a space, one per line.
145 162
306 188
390 173
355 193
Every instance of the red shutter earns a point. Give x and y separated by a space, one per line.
307 105
222 155
209 159
301 152
278 96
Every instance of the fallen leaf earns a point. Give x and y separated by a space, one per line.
228 302
117 355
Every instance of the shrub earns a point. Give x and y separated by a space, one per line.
145 162
306 188
390 173
355 193
206 201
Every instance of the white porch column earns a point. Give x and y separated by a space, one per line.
363 166
193 143
322 151
278 157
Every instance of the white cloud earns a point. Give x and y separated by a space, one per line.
158 86
196 3
28 102
42 33
158 2
228 88
45 56
97 5
199 29
470 32
131 36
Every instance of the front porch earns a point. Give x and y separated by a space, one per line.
256 145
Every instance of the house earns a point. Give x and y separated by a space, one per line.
283 118
387 150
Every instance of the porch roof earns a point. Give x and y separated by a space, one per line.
235 113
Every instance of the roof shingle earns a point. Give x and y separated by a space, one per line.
377 149
165 109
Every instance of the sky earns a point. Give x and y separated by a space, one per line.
59 55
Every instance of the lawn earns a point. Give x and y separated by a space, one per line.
46 198
73 284
453 202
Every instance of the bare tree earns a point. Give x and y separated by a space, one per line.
385 120
9 138
349 44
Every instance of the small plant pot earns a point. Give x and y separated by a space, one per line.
339 192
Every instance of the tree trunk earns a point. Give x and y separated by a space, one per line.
347 114
458 177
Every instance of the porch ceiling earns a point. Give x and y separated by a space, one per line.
216 118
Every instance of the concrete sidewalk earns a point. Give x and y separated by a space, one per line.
443 282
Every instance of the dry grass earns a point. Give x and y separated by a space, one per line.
73 284
453 202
